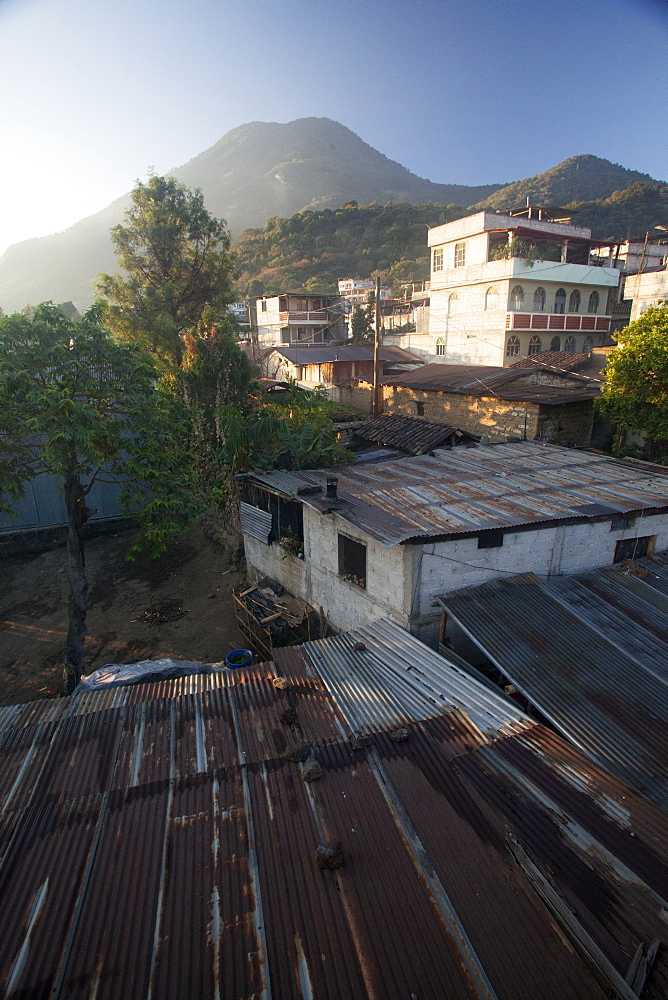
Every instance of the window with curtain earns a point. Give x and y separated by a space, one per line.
512 347
569 345
555 344
535 345
453 304
460 254
539 299
574 301
491 299
593 303
517 297
560 300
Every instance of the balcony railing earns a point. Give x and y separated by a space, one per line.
318 316
557 321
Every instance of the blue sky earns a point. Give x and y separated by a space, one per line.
96 92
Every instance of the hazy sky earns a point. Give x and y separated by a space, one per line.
94 92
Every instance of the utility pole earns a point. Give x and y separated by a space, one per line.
375 409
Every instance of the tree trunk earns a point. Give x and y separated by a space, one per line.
77 513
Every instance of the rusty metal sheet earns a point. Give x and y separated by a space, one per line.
215 951
22 753
380 886
39 897
467 846
312 949
113 942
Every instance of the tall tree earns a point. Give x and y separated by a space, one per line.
635 391
178 262
78 405
361 324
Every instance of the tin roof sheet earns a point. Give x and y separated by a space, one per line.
345 352
493 381
591 653
467 490
409 433
163 846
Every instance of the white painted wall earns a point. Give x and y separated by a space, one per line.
646 290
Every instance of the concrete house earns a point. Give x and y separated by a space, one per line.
334 366
492 301
298 318
387 538
647 289
533 401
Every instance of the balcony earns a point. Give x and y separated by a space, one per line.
318 316
557 321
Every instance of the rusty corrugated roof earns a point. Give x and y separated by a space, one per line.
409 433
158 844
590 652
467 490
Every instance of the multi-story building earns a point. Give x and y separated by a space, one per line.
645 290
299 318
508 286
357 290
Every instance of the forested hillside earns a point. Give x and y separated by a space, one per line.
312 250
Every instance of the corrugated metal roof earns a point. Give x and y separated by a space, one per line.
467 490
492 381
591 653
345 352
163 846
409 433
255 522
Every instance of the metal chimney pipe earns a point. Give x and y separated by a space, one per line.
332 483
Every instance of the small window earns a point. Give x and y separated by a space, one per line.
460 254
535 345
593 303
569 345
574 301
619 523
539 300
555 344
491 299
418 409
517 297
633 548
491 539
512 347
438 259
560 300
440 347
588 345
352 561
453 304
263 307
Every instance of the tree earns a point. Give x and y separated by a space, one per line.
178 262
635 391
361 324
85 409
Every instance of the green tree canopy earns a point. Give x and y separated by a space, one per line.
635 391
78 405
178 262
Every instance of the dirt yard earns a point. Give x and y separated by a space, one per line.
33 610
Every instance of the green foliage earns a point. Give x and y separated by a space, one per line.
78 405
297 433
178 263
628 213
312 250
361 324
74 402
635 391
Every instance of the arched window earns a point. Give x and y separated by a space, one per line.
453 304
560 300
512 347
440 346
555 344
535 345
460 254
517 297
574 301
539 298
569 345
593 303
492 298
588 344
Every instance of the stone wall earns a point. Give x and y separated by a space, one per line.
570 424
496 418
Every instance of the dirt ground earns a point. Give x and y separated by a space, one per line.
33 610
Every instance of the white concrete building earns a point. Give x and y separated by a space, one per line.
493 300
386 539
357 290
298 318
648 289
